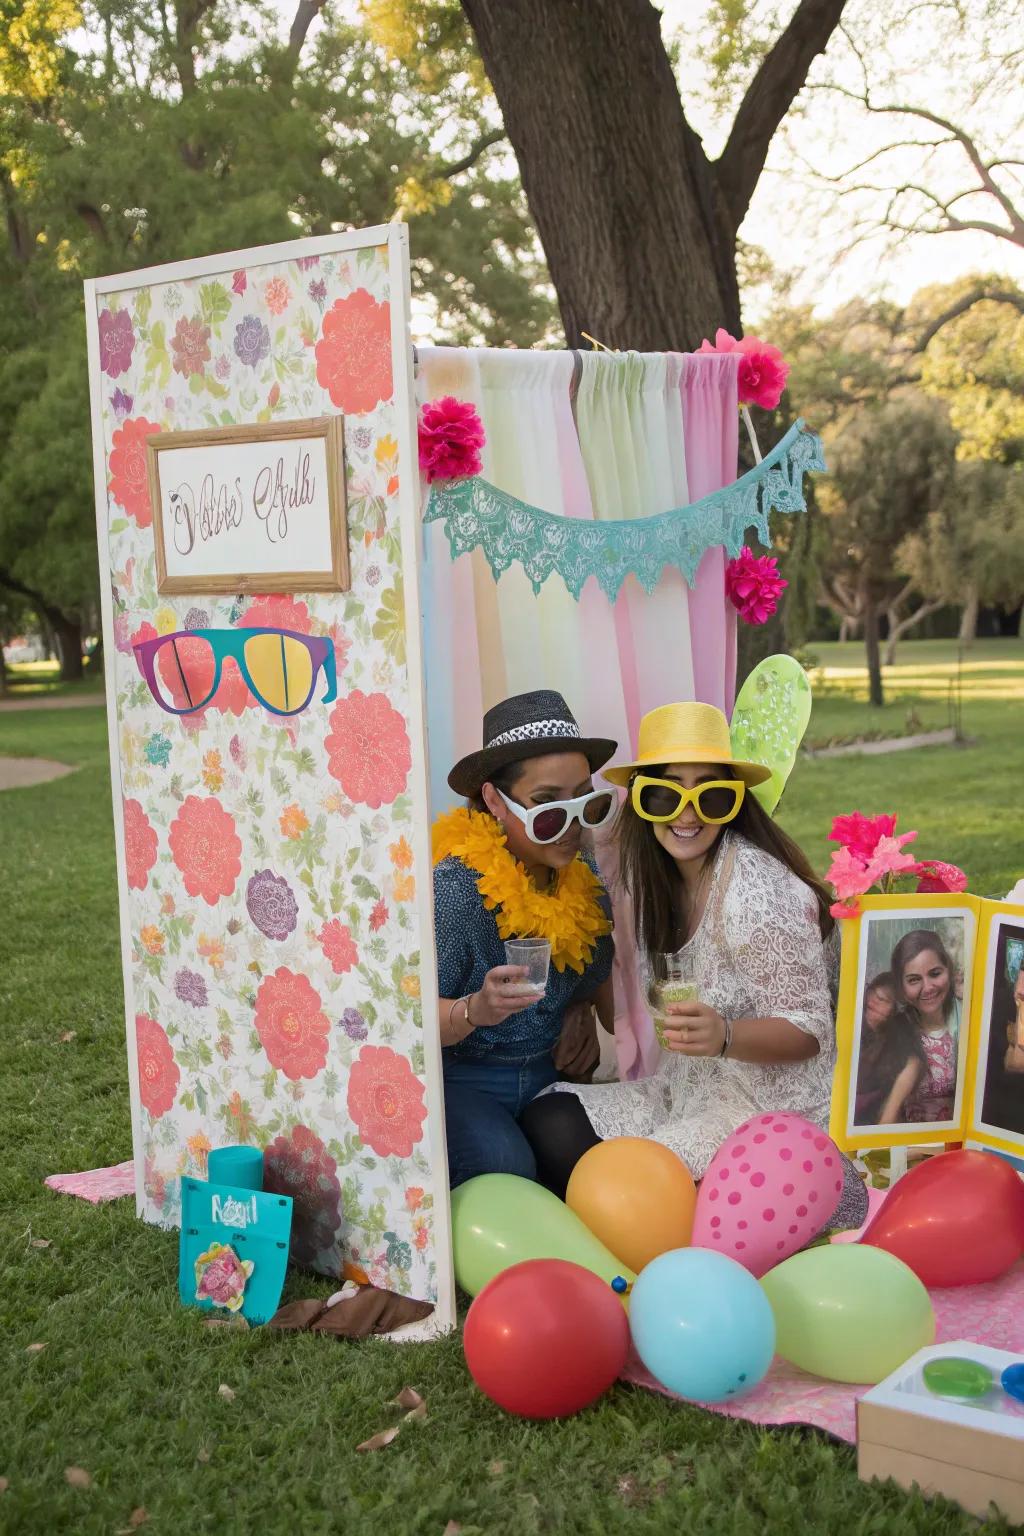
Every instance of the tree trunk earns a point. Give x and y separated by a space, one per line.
969 617
874 654
67 634
638 248
638 227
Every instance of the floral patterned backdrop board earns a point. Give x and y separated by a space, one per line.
269 867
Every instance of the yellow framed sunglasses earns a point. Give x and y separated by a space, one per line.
660 800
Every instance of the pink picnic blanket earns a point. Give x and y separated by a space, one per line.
986 1314
96 1184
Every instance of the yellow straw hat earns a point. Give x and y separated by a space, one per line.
686 733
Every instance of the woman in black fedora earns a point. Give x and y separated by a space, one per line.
512 864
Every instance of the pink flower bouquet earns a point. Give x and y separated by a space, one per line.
871 856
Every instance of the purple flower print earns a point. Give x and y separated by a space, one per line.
373 575
222 367
362 437
252 341
117 342
238 753
121 404
190 988
239 283
271 905
318 292
197 618
354 1025
123 630
305 262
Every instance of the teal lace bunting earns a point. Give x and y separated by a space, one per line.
478 514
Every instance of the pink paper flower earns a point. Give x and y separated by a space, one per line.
845 908
754 586
451 435
889 858
848 874
860 833
939 878
763 369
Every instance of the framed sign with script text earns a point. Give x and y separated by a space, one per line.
245 509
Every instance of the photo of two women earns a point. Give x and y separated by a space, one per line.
911 1019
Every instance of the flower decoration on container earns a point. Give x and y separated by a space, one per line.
871 856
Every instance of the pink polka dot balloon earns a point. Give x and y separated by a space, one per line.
772 1186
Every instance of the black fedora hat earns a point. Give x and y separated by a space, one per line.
530 725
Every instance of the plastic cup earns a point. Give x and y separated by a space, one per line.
534 956
240 1166
678 986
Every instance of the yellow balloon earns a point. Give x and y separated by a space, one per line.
637 1196
848 1312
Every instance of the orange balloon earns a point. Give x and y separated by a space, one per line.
636 1196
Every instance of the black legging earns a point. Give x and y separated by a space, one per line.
559 1132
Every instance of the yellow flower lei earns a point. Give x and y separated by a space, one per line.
570 917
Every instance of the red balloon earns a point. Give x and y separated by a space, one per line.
545 1338
955 1219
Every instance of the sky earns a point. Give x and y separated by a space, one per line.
799 221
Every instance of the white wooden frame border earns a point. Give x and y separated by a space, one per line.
395 237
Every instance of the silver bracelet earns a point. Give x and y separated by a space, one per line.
728 1037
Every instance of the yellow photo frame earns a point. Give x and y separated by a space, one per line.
931 1016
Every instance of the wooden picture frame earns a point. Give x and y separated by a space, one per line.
227 502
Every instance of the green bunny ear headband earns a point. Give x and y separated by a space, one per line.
768 723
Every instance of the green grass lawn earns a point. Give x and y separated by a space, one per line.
39 679
127 1384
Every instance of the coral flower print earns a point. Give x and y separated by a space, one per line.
368 749
117 342
353 355
158 1071
386 1101
278 612
140 845
338 947
299 1165
277 295
129 476
291 1024
191 347
206 848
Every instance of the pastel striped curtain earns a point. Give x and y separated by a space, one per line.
596 435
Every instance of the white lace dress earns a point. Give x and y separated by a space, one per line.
757 953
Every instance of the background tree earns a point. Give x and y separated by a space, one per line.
132 135
891 467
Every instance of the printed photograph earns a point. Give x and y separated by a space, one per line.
1000 1091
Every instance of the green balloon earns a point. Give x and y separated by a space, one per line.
769 720
848 1312
499 1220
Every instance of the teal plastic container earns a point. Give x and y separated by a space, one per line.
241 1167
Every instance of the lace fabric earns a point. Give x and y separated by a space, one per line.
478 514
757 953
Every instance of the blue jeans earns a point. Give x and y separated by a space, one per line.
482 1102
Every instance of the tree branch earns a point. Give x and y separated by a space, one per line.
769 97
976 296
93 221
305 14
470 159
187 16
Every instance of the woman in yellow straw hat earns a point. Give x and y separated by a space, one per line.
722 896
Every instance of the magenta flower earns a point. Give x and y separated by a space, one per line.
239 282
451 435
937 878
861 833
763 369
753 585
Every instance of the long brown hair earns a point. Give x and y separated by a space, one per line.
660 909
909 947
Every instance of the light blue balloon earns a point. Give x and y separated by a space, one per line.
702 1325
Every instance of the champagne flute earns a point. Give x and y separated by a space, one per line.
676 983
